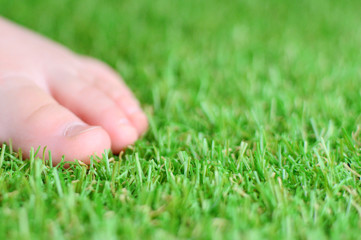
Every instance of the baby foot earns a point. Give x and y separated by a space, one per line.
49 96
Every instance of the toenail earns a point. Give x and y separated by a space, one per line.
77 129
124 121
130 106
129 133
133 110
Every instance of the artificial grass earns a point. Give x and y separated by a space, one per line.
254 112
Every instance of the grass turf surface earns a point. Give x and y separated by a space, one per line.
254 108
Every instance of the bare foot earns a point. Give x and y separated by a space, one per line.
49 96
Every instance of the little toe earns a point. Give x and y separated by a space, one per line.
37 120
94 108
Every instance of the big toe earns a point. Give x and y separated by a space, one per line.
31 118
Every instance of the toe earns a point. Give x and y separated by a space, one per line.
109 82
132 109
95 108
35 119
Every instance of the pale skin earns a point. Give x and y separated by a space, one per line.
49 96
